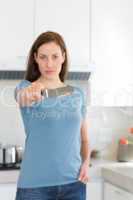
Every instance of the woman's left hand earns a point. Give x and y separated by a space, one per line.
84 175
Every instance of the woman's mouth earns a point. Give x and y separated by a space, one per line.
49 71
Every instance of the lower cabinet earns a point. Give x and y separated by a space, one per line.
112 192
95 190
7 191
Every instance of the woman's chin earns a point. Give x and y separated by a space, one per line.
46 76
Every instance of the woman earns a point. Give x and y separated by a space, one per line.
56 157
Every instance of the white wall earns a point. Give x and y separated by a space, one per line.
112 52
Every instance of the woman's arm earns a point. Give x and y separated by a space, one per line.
85 152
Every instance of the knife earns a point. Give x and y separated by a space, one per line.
57 92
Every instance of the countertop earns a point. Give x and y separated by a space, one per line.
95 172
119 175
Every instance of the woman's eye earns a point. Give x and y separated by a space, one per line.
55 57
44 57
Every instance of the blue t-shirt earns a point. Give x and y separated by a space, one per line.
53 139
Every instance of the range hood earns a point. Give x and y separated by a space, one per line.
14 75
81 73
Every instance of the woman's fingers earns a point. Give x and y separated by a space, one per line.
85 179
30 94
35 92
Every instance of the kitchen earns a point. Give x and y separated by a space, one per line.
109 98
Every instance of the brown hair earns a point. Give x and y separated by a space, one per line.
32 72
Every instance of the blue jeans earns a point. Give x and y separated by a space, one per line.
71 191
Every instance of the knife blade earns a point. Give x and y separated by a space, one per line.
57 92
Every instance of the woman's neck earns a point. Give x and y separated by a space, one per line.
51 83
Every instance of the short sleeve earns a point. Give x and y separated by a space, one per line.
20 85
83 103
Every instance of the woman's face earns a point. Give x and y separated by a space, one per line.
49 58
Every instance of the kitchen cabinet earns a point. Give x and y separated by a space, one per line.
94 190
21 22
16 33
7 191
112 192
112 52
71 19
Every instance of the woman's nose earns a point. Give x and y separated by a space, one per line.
50 63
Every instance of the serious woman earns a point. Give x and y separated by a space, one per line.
56 157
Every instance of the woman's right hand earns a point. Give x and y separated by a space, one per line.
30 94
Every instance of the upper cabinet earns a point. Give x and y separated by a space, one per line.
22 21
112 51
16 31
69 18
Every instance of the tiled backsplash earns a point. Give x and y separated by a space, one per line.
105 124
11 126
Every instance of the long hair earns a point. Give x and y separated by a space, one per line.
32 71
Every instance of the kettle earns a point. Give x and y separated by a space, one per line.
10 155
1 155
19 153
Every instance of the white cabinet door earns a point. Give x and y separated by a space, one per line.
71 19
16 30
94 190
112 192
112 51
7 191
